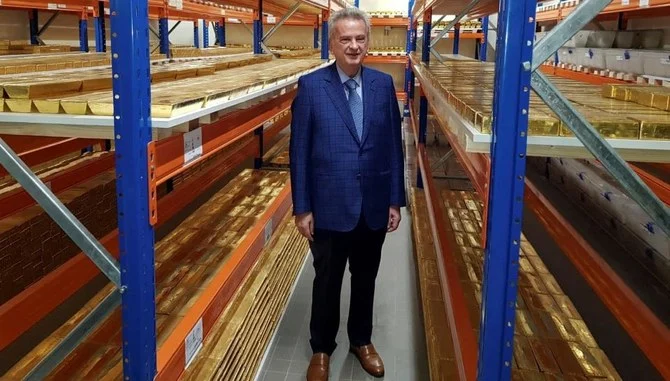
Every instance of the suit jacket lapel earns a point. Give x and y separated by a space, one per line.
368 102
335 90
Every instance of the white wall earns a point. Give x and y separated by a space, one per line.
14 25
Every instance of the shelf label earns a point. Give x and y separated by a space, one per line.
223 12
272 20
179 4
268 232
665 61
56 6
193 343
192 145
620 58
587 55
644 3
625 2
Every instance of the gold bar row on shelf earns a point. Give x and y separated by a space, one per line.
170 99
468 87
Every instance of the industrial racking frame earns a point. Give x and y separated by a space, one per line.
127 255
500 180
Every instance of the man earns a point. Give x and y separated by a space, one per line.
348 185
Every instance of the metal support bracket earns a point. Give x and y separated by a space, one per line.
75 337
48 23
281 22
602 151
60 214
443 160
453 22
559 35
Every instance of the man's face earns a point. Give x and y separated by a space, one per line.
350 44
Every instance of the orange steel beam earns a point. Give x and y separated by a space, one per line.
173 202
401 95
171 360
462 333
216 136
274 130
390 21
386 59
34 303
648 332
660 187
579 76
18 199
54 150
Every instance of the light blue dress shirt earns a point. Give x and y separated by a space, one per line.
344 78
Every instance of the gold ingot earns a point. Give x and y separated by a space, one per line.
46 106
74 106
615 128
42 89
20 105
587 361
643 96
654 127
96 84
583 332
543 125
662 102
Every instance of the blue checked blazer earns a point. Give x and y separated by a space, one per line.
334 174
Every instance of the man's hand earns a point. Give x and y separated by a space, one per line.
394 219
305 224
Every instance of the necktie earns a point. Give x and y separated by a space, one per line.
356 106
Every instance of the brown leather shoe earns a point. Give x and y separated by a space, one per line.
318 367
369 359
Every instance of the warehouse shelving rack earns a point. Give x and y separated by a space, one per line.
142 162
161 10
499 177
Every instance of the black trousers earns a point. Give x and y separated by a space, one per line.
362 247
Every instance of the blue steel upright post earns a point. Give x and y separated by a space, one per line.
516 31
99 20
357 3
408 49
258 28
325 53
457 37
205 34
132 131
412 48
34 26
484 48
316 33
196 34
83 34
164 35
423 101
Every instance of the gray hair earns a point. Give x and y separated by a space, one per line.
348 13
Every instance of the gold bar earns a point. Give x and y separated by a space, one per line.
655 128
20 105
45 106
583 333
545 359
523 354
587 361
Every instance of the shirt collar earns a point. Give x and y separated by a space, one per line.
344 78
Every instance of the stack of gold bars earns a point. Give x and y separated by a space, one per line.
190 51
8 47
177 88
551 341
468 87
